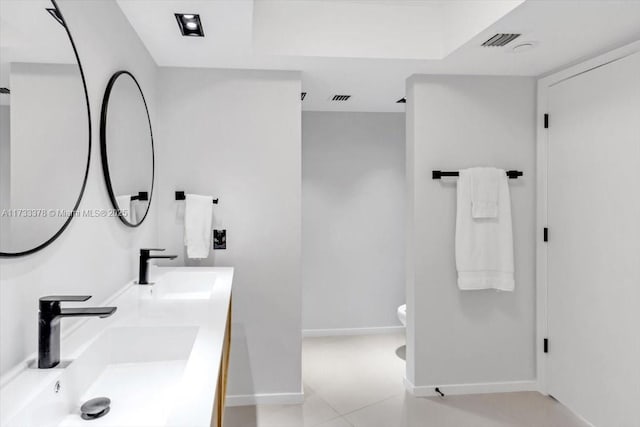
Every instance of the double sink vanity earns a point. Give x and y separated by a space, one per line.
161 358
156 352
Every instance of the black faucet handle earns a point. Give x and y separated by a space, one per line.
51 303
101 312
146 252
61 298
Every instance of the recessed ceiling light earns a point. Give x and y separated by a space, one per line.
190 24
523 47
56 15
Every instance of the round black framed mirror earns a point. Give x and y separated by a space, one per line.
126 146
45 127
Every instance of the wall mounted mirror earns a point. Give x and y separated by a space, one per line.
45 126
126 144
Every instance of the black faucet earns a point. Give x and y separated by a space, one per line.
145 256
49 324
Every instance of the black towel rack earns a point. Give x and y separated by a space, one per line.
142 196
181 196
439 174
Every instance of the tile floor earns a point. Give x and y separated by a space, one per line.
357 382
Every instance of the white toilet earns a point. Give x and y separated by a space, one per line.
402 314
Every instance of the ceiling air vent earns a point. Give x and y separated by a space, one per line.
501 39
341 97
302 95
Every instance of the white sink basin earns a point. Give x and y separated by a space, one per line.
138 368
184 286
157 358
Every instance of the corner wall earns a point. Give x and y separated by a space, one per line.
94 256
471 340
236 135
352 220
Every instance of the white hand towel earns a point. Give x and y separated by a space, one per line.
197 225
124 205
485 189
133 213
484 246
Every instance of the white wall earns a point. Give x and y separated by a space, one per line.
352 219
471 337
5 164
236 135
95 255
51 94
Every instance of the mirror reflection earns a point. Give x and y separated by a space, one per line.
127 148
43 113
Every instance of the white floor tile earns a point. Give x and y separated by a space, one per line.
350 373
336 422
312 412
357 382
409 411
535 410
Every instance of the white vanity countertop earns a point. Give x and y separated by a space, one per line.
185 312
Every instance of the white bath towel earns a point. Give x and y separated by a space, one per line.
124 205
197 225
484 192
484 246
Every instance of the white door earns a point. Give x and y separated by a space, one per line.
594 243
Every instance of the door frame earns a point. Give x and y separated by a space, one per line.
542 141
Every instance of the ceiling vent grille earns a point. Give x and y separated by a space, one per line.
302 96
341 97
500 39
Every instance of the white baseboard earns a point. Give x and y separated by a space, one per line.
476 388
352 331
265 399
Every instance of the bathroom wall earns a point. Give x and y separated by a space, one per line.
54 92
484 340
235 135
352 220
95 256
5 164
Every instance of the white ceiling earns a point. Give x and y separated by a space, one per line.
351 55
400 29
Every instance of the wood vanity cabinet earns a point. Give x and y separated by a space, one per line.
217 419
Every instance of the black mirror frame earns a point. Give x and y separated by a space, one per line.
103 146
86 172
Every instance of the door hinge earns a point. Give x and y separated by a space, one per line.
546 121
546 345
545 234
